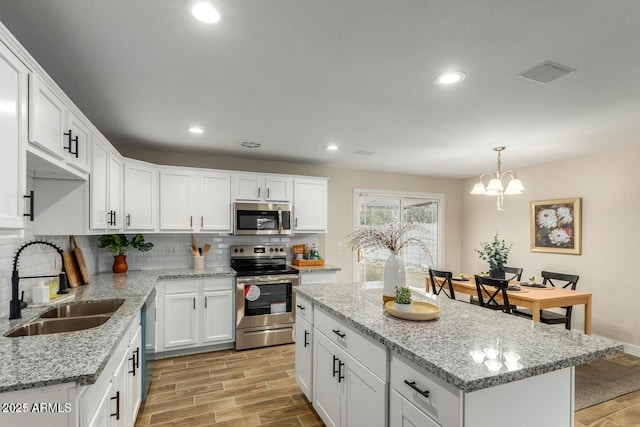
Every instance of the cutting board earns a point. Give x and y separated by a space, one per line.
82 266
71 267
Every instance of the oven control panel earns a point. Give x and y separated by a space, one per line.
252 251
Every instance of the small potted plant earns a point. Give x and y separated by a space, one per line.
496 253
119 245
403 298
532 280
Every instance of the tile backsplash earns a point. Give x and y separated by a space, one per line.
169 251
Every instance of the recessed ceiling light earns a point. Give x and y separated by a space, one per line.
450 78
206 12
196 129
332 147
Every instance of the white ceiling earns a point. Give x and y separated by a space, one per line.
296 75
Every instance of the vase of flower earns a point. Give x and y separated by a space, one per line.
394 276
392 237
119 245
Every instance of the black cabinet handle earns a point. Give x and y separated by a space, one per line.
205 302
413 385
115 221
128 220
133 364
296 223
69 148
259 192
301 307
267 192
202 221
335 371
191 221
194 303
340 375
117 398
31 205
306 335
338 333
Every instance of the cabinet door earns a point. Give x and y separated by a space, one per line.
304 341
102 416
176 200
119 395
215 202
326 388
279 189
180 320
365 395
98 181
404 414
218 316
115 191
13 128
135 376
248 187
310 205
140 196
46 117
76 141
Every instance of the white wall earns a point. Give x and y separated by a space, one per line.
607 184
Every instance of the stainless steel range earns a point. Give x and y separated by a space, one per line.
265 300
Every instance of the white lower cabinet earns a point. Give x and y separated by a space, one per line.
404 414
304 356
193 313
349 375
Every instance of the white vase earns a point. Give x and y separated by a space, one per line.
394 275
407 308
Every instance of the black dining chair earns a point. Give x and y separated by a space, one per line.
441 282
488 289
566 281
513 273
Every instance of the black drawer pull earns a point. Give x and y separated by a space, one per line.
338 333
31 205
117 399
306 335
413 385
335 371
340 375
301 307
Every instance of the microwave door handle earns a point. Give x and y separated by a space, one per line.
280 226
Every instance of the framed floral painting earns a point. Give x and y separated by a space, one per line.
556 226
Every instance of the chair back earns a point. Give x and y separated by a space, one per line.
566 281
488 289
441 282
515 273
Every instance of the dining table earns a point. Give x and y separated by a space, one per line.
533 298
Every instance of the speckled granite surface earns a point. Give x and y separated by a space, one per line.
28 362
315 269
442 346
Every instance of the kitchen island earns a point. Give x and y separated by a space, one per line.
412 360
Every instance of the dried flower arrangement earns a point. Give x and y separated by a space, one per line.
389 237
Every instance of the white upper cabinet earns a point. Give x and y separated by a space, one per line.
76 142
261 188
13 128
310 205
106 187
215 202
46 118
194 200
140 196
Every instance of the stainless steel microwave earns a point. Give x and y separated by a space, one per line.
256 219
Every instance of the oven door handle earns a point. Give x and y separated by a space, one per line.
293 279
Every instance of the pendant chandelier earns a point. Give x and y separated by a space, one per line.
495 186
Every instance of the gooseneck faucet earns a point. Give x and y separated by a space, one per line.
16 305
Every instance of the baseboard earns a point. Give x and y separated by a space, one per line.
631 349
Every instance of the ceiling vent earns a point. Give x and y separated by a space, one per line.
546 72
250 144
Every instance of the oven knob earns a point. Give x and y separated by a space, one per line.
281 249
241 250
270 249
235 250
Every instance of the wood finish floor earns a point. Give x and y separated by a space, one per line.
228 388
257 388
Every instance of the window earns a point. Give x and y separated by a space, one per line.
381 208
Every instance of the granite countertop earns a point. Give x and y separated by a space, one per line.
315 268
80 357
442 346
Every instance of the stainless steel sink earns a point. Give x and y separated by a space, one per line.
52 326
69 318
83 309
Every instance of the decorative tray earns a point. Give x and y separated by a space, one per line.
419 311
308 262
536 286
460 279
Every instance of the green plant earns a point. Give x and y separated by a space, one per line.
532 279
118 244
495 252
403 295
